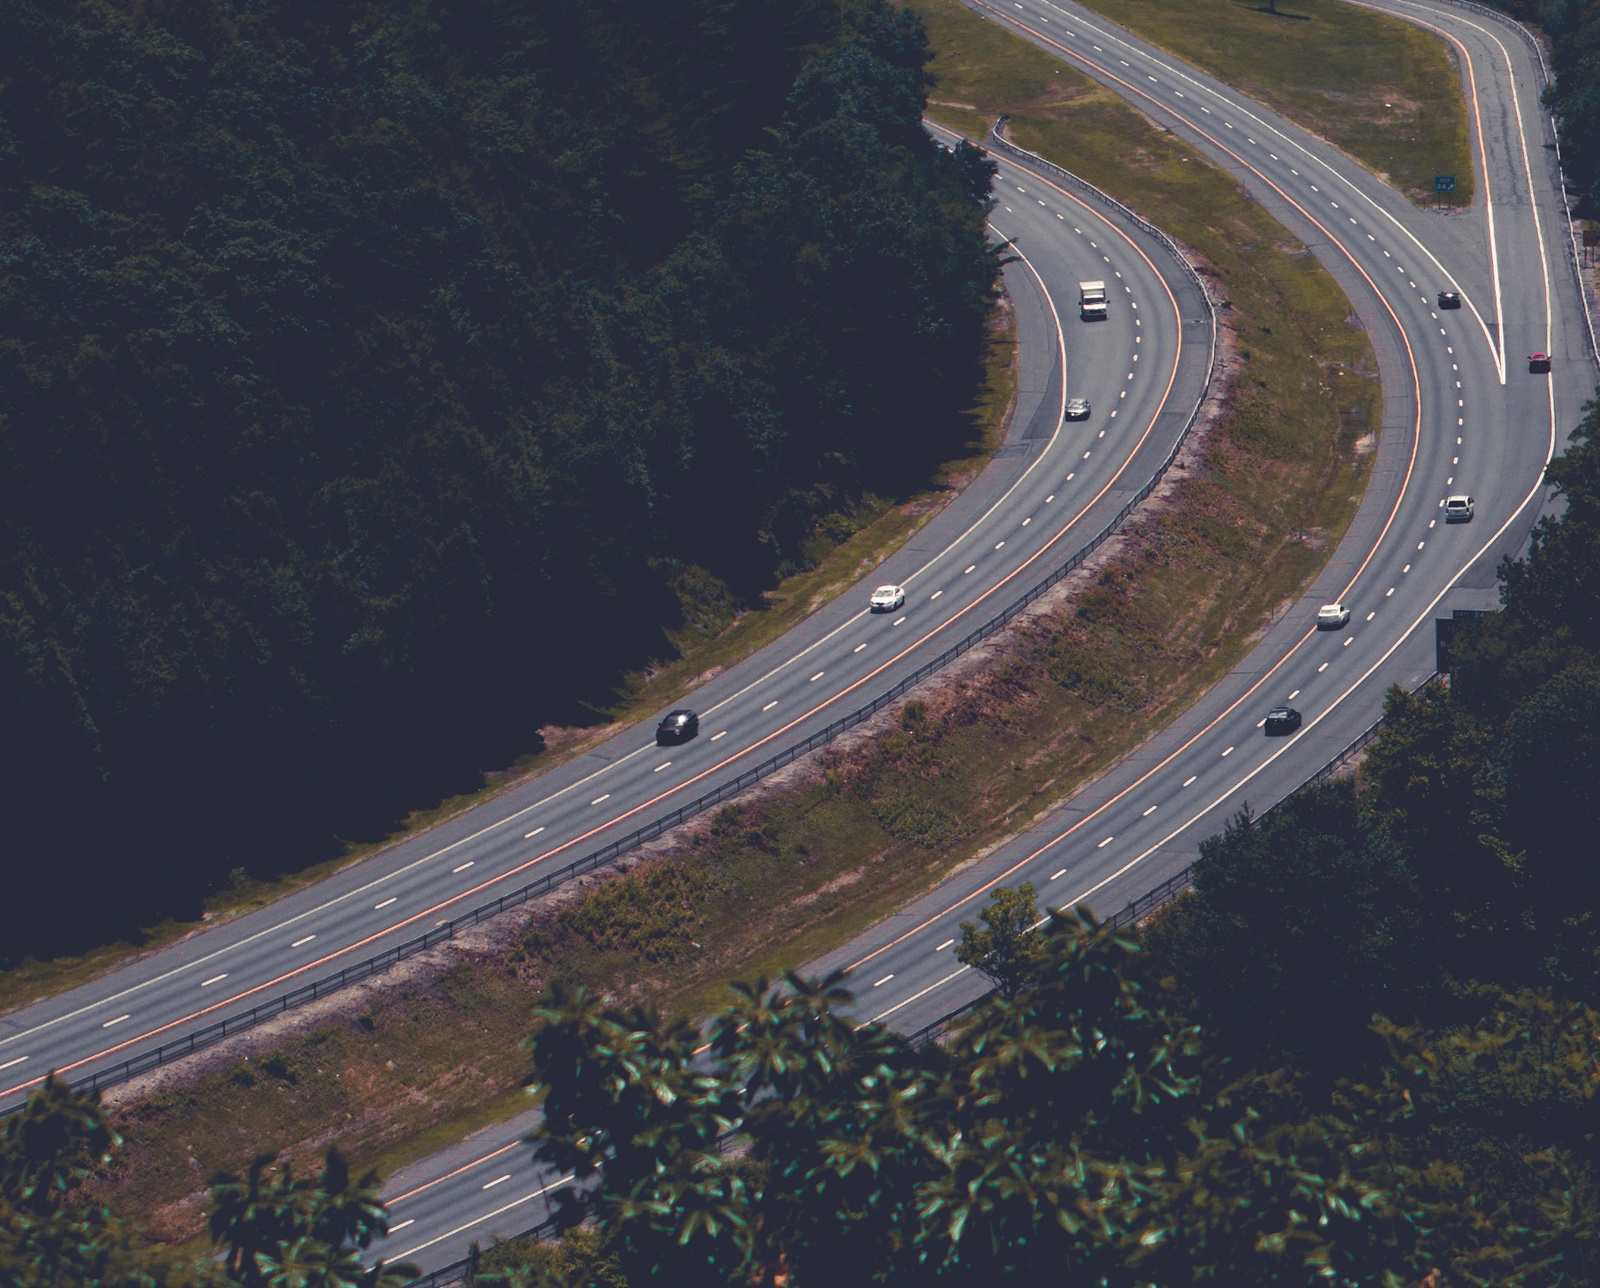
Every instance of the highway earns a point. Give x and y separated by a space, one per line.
1461 414
1051 486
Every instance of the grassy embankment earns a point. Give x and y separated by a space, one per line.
773 883
1372 85
717 632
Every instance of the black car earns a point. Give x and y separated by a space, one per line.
1538 364
679 726
1282 720
1449 300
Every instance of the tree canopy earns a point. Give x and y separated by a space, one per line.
1080 1130
372 370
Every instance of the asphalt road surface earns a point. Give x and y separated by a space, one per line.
1462 413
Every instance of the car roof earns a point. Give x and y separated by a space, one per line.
1459 496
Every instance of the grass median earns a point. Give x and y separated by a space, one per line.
1127 644
1382 90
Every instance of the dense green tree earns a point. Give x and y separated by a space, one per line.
51 1235
1072 1131
1255 955
1574 26
374 371
275 1230
272 1230
1005 948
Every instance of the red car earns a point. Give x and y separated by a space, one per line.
1538 363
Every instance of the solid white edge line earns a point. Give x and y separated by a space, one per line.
1497 355
1334 705
487 1216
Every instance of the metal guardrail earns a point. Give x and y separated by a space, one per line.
244 1021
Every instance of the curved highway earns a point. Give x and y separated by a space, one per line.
1053 484
1462 413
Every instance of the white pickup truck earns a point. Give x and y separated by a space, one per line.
1091 301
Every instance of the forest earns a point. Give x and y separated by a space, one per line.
1573 30
374 372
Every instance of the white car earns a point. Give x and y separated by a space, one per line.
1077 409
1333 615
888 598
1457 509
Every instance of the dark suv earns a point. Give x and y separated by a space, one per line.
1282 720
1449 300
679 726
